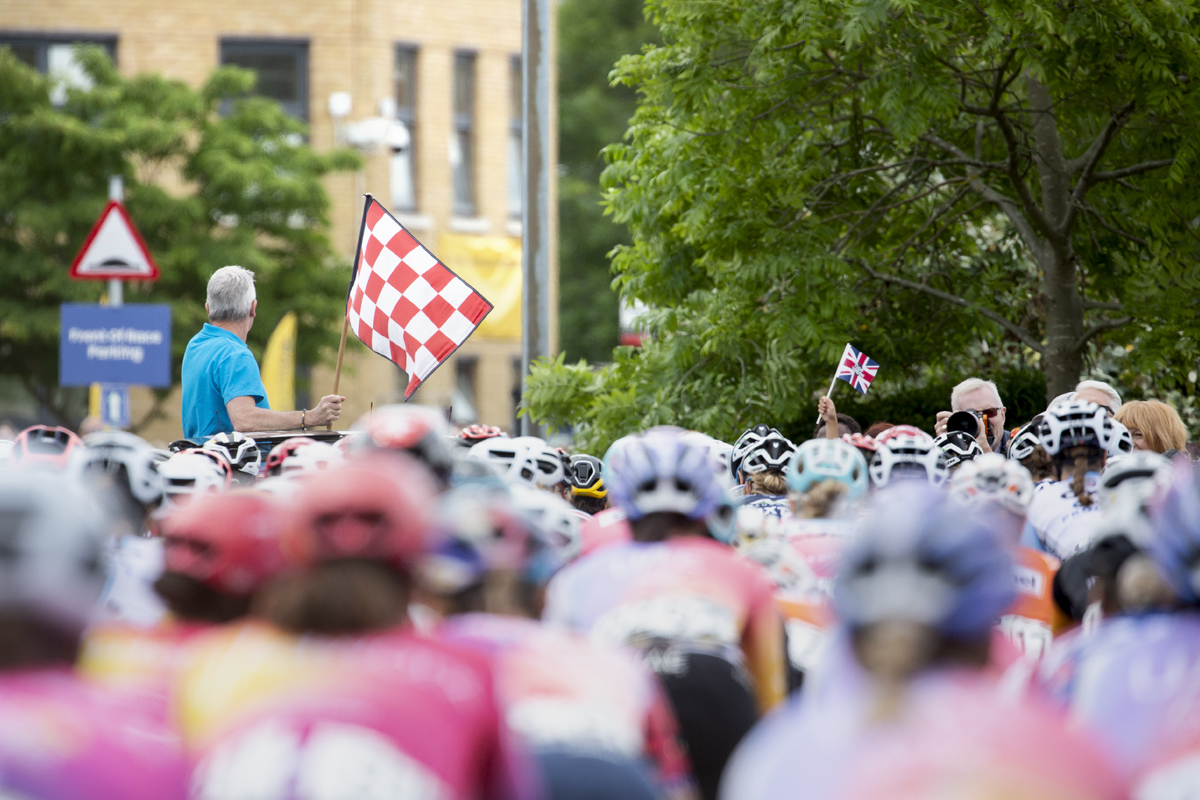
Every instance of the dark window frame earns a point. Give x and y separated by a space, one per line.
42 41
408 114
230 45
463 125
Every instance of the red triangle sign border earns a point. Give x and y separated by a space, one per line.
119 208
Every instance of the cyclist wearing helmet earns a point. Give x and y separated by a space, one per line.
703 618
1026 448
1063 514
588 493
526 460
241 452
824 476
1000 489
341 681
907 453
273 465
217 551
62 736
1133 678
473 434
594 717
959 448
920 587
124 469
43 446
417 431
761 460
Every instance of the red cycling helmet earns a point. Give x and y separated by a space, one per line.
862 442
229 542
375 508
415 431
477 433
280 453
901 430
44 445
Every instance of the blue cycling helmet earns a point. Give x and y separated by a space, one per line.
820 460
661 471
1175 533
920 558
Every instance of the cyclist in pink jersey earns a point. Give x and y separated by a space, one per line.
218 550
596 720
338 693
62 738
917 595
702 617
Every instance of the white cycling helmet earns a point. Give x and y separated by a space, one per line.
280 487
1025 441
6 447
820 460
760 449
1148 470
525 459
994 478
194 471
239 450
54 533
906 457
717 450
1074 424
123 457
959 448
311 457
554 518
1121 444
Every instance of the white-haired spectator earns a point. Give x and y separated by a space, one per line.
982 398
222 387
1097 392
1100 393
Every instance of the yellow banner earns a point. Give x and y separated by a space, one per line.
279 364
492 264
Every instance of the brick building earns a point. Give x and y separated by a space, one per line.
449 70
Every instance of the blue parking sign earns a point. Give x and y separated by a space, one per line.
127 344
114 405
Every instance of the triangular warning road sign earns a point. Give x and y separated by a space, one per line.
114 249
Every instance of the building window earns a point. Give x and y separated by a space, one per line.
281 67
404 163
463 398
516 178
56 56
463 137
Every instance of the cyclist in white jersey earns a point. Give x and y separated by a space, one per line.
1063 515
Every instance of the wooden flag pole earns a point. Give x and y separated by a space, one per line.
337 373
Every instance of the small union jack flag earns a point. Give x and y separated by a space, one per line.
856 369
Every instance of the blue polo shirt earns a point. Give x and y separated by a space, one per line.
217 367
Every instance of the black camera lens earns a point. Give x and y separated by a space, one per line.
963 422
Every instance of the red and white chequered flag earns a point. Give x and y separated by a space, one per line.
856 369
404 303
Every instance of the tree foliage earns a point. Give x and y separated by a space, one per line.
205 189
593 35
955 187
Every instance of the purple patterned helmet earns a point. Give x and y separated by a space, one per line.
662 471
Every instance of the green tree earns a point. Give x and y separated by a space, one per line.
948 185
593 35
247 191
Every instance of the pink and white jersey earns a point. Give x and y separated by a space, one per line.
955 735
560 691
388 715
62 738
693 593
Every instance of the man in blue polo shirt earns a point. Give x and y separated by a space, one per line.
222 388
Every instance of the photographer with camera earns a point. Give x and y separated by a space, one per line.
976 409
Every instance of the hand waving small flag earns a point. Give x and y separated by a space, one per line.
856 369
404 303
